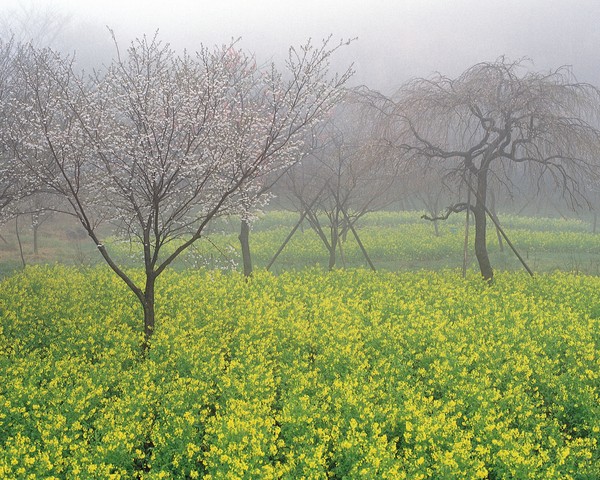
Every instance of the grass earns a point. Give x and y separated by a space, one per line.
396 241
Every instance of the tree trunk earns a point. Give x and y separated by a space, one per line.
342 258
467 227
148 304
332 251
595 222
333 243
35 228
244 238
19 241
345 228
480 227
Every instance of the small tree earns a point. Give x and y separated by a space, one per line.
341 178
314 102
38 208
13 185
495 118
29 24
161 144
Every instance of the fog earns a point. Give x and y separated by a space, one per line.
397 39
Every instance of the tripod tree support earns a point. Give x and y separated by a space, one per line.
360 244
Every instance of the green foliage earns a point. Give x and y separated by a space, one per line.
348 374
394 240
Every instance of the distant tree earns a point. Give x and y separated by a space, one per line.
161 144
308 103
30 24
39 208
6 69
250 205
494 118
341 178
430 193
13 185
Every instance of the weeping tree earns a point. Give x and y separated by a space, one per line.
160 144
496 121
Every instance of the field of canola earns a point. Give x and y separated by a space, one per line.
314 375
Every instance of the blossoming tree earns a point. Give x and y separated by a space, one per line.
161 143
11 185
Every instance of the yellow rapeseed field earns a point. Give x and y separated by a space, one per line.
348 374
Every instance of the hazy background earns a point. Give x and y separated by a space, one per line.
397 39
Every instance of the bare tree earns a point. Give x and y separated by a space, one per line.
429 192
494 119
30 24
341 178
161 144
323 95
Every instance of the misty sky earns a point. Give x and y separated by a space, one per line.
397 39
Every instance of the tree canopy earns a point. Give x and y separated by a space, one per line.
496 120
160 143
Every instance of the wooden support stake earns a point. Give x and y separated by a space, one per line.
466 245
360 244
287 239
291 234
